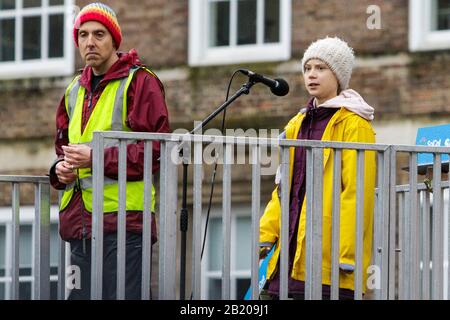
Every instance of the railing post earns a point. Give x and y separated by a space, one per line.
168 218
226 222
256 196
284 237
147 222
15 243
392 224
42 243
97 217
197 222
438 232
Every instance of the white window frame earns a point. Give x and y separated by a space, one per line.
44 67
200 54
421 35
238 212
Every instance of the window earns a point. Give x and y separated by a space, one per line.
429 25
234 31
36 38
240 258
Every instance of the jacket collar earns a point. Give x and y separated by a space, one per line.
118 70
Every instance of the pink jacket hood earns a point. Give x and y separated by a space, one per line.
352 101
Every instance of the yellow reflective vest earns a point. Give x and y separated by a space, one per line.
109 114
344 126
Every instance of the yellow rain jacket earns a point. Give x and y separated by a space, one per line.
344 126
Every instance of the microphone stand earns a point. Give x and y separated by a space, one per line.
184 216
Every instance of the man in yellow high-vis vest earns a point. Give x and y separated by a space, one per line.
115 91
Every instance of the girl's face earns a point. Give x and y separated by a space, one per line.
320 81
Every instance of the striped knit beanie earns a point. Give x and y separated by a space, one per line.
101 13
336 54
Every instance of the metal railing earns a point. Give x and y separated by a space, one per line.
170 146
41 241
398 276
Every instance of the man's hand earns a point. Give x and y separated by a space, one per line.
65 173
78 156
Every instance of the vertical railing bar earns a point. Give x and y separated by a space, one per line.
197 222
401 246
310 179
15 261
385 225
61 261
414 230
147 222
336 224
284 236
162 221
317 223
226 222
256 203
168 185
426 246
448 230
358 277
36 227
392 225
97 217
406 246
438 238
42 242
121 220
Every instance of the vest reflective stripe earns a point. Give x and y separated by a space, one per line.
87 183
109 114
72 92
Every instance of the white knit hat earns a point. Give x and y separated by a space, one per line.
336 54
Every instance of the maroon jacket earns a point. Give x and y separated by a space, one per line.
146 112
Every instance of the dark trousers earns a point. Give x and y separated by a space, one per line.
133 267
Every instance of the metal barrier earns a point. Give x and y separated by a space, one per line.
417 258
398 276
41 241
170 146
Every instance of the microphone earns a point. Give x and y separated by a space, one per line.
279 87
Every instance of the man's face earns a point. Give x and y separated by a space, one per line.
96 45
320 81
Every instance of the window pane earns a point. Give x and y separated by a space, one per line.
26 249
220 24
7 36
31 3
215 244
7 4
56 2
246 22
272 21
31 38
243 243
443 18
215 289
56 36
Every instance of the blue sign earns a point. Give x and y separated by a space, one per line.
262 278
437 136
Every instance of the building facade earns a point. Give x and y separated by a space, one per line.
402 67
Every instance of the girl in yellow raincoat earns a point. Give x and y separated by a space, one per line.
334 113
